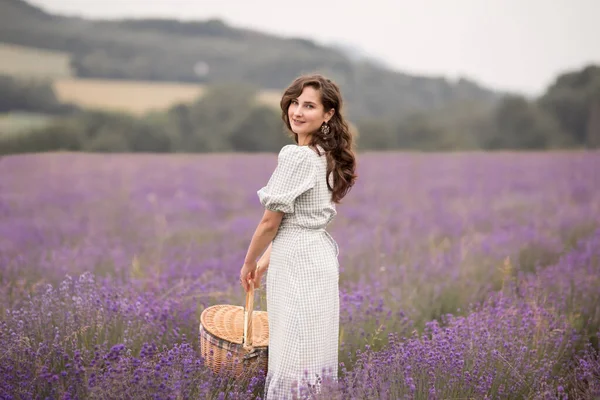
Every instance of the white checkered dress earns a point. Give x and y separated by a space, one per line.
303 276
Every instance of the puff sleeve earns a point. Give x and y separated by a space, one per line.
293 176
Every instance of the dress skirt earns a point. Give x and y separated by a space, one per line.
303 304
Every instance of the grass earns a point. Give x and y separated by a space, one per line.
18 122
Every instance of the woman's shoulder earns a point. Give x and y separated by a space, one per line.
295 151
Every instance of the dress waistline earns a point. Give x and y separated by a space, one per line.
290 227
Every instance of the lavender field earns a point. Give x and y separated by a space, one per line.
462 276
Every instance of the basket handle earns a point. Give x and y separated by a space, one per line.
249 307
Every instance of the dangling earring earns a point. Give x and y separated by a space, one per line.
325 129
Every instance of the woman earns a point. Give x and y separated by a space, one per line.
300 199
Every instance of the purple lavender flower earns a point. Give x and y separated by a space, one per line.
462 275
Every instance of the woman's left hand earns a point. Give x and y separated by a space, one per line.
247 274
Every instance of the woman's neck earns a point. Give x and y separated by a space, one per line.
303 140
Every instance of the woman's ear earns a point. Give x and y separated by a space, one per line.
329 114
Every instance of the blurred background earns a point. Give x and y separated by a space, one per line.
206 76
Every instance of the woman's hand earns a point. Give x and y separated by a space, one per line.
247 273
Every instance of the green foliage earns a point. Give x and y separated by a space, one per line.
208 124
148 135
107 142
376 135
567 116
62 135
458 126
262 130
29 95
573 99
520 124
418 132
228 118
593 126
14 123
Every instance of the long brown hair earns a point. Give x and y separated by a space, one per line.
338 143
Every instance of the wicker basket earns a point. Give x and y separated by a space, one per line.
237 330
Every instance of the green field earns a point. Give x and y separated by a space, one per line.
18 122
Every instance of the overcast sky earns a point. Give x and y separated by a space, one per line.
516 45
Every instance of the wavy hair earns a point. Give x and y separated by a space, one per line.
338 143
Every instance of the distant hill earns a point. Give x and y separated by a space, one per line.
213 52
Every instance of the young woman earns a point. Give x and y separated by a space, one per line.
300 199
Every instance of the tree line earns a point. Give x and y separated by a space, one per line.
227 118
567 115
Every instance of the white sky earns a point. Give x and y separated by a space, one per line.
516 45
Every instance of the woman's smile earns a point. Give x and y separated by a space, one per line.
297 122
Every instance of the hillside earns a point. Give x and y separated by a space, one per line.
213 52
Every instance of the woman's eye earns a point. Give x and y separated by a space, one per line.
309 106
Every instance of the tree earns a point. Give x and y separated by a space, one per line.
30 95
61 135
417 132
520 124
593 125
150 135
570 100
217 115
377 134
262 130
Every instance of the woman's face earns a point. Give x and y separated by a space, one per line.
306 113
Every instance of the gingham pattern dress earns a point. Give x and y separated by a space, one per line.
302 278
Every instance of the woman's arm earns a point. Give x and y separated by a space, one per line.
265 260
263 235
